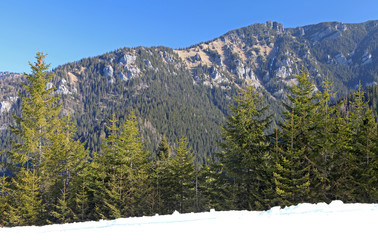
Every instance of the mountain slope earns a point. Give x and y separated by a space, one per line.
186 92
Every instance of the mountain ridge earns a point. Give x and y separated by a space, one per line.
186 92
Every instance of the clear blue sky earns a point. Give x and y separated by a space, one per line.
69 30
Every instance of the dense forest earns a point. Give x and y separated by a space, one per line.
187 92
321 151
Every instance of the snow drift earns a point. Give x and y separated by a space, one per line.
304 221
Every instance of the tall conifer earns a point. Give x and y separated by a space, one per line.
296 169
245 151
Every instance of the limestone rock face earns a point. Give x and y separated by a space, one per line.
5 106
328 33
132 71
168 57
108 71
214 73
282 72
127 59
62 89
122 76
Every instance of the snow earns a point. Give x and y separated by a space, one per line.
304 221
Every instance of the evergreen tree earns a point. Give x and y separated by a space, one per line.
67 157
135 161
324 149
105 166
342 166
163 158
213 187
296 171
121 182
363 136
4 201
181 178
81 198
39 118
46 157
34 128
291 174
245 153
26 207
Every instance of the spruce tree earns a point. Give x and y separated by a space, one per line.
38 120
342 166
181 178
324 149
135 167
34 129
81 194
163 158
245 151
106 167
291 173
121 186
296 171
67 157
364 133
26 208
46 157
4 201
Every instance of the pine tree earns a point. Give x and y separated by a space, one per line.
372 174
213 187
245 153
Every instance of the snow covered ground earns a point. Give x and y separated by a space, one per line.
305 221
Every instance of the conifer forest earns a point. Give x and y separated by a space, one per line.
322 150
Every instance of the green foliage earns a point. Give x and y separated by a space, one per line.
4 201
323 150
26 207
121 169
364 137
161 175
45 159
245 153
182 176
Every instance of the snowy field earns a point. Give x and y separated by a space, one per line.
305 221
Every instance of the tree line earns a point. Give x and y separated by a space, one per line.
321 152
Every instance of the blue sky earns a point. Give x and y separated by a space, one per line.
69 30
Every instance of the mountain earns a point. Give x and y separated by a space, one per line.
186 92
